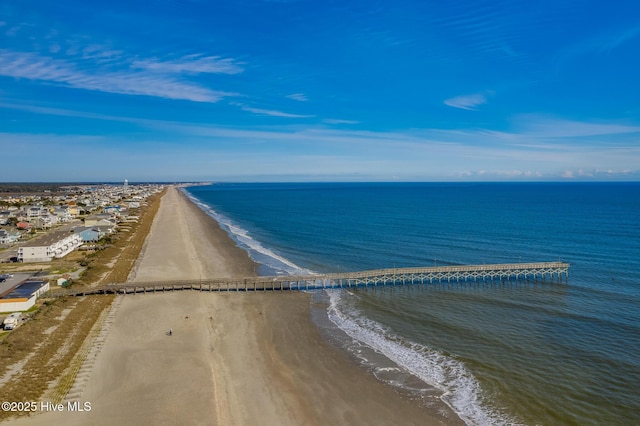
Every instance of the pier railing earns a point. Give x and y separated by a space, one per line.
460 274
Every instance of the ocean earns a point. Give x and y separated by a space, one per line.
553 353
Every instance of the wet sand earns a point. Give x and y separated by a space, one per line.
233 358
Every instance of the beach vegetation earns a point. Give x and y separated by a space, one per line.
39 351
41 359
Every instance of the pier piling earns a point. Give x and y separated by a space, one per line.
541 272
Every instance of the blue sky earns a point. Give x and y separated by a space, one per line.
286 90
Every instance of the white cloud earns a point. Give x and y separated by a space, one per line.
269 112
598 174
36 67
468 102
101 54
338 121
544 127
501 174
420 153
298 97
195 64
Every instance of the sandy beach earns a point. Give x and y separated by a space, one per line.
232 359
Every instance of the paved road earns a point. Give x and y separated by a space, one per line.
8 254
11 282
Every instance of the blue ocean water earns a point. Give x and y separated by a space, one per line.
544 354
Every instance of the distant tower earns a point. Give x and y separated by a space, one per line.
126 182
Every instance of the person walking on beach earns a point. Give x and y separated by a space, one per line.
171 332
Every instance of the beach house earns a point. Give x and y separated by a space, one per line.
55 245
8 237
90 233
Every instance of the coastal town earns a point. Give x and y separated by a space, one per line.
39 228
94 208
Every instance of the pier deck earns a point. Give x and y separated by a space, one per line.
467 274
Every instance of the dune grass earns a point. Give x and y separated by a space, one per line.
36 354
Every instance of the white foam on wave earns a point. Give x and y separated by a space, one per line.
460 389
385 369
256 251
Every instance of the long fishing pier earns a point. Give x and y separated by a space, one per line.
462 274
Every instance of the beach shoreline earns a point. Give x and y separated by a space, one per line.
231 358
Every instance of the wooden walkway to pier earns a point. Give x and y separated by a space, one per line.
463 274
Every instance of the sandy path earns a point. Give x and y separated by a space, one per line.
233 358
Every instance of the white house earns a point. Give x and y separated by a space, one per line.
9 237
112 209
100 220
55 245
63 214
36 211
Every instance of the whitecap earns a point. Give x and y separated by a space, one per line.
460 389
242 237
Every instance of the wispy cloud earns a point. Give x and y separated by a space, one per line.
72 113
339 121
37 67
270 112
600 44
545 127
13 31
298 97
616 39
596 174
488 27
541 149
409 156
192 64
502 174
101 54
468 102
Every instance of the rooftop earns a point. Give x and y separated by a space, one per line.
24 290
49 239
